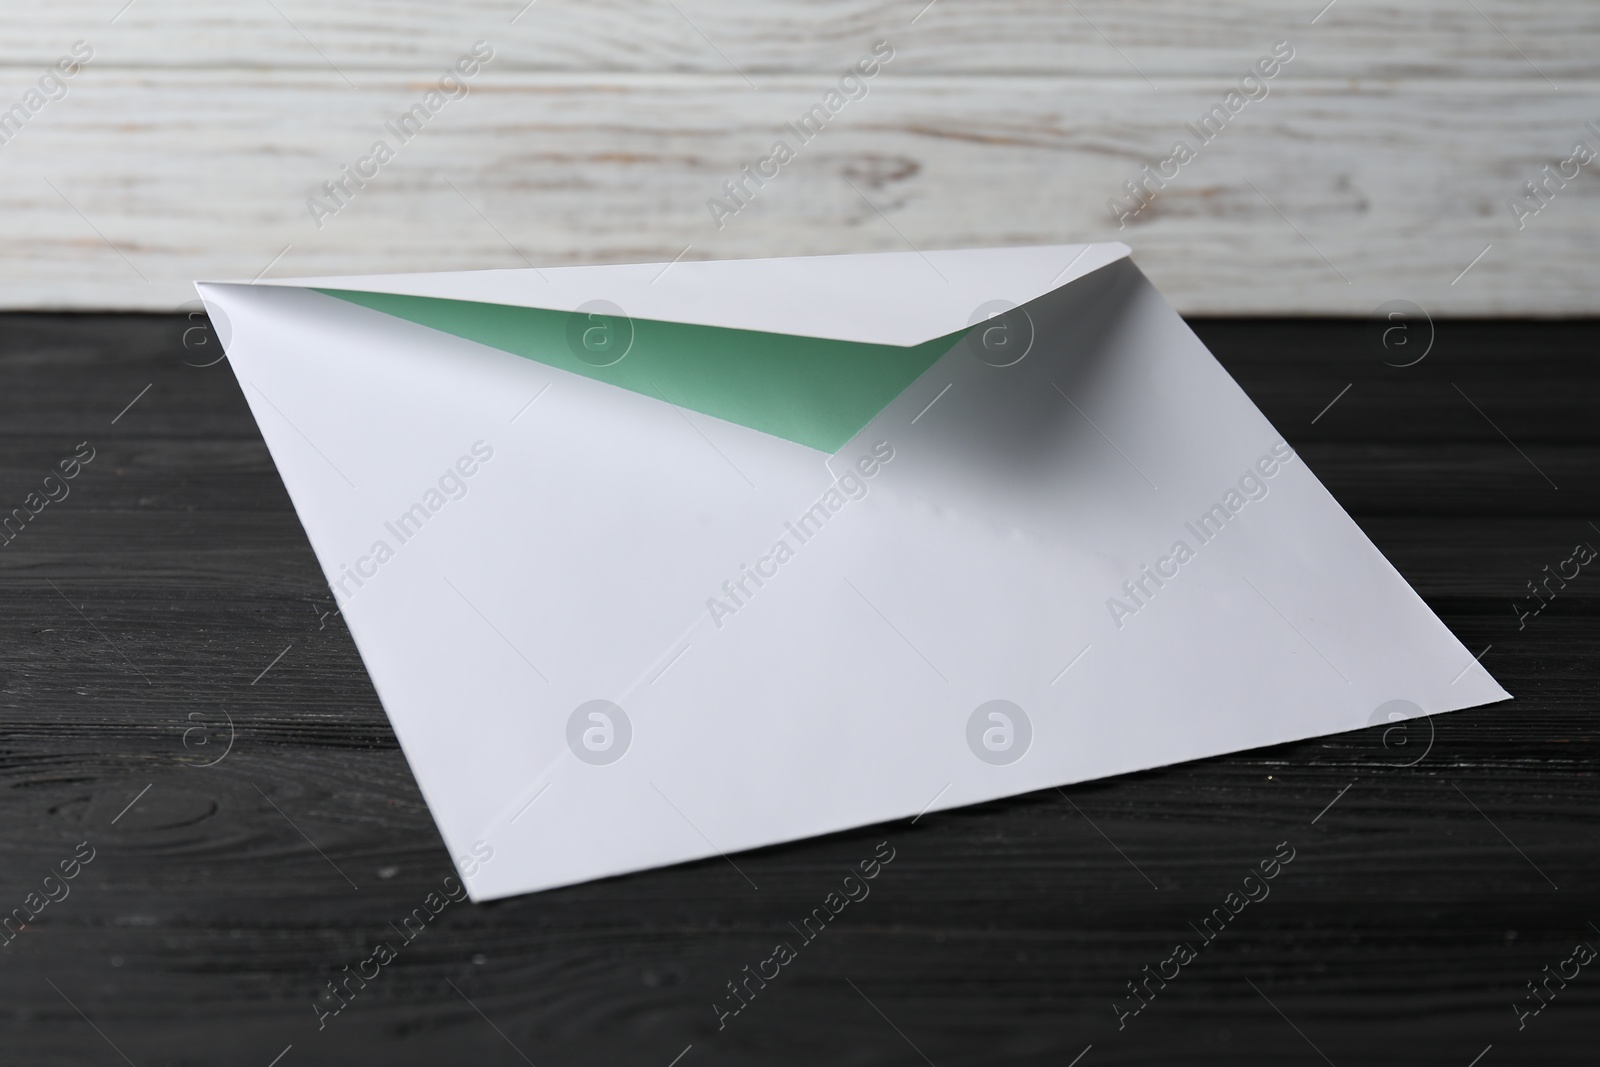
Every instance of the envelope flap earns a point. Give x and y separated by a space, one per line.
813 391
889 298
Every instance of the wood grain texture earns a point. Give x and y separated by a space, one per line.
175 572
530 170
1377 168
1101 38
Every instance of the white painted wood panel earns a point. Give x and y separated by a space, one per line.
1088 38
1384 154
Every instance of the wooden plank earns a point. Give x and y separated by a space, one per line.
1396 135
1321 198
1161 38
1001 933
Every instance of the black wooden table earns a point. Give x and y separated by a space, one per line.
222 876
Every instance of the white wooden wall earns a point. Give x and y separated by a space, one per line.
1378 168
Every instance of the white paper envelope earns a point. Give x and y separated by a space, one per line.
652 563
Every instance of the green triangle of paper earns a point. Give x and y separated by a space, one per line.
815 392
